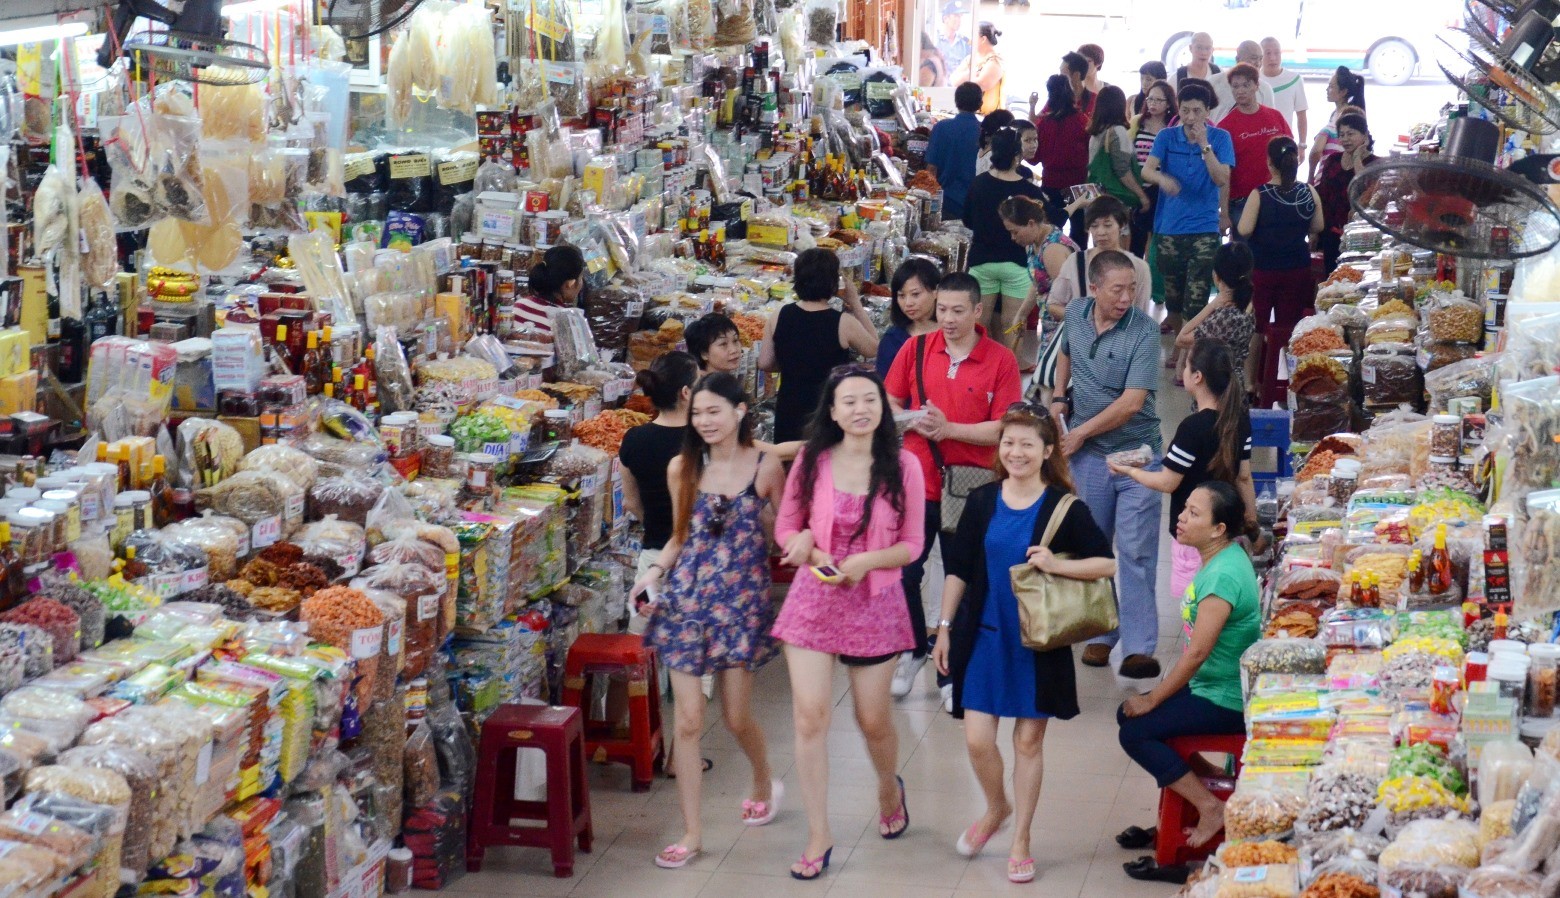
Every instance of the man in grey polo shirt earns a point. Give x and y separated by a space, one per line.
1109 362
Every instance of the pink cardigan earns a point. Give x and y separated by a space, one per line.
886 529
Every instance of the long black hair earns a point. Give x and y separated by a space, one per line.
994 121
1060 102
1216 363
666 377
1110 110
1352 85
1004 150
695 450
824 433
915 268
1284 155
1232 263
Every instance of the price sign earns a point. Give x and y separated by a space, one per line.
428 606
294 508
367 642
266 531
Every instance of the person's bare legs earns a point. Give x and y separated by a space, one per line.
688 711
736 704
811 708
980 740
870 696
1210 810
1028 773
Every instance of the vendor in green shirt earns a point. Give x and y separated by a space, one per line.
1201 696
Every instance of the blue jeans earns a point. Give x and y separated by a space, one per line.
1145 738
1112 498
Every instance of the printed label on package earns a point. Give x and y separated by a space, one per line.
367 642
880 90
393 637
32 823
358 165
203 765
458 172
414 165
428 606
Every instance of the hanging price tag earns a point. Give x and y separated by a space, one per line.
367 642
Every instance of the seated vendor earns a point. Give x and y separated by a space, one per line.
1201 696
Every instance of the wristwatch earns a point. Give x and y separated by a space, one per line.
945 623
1207 148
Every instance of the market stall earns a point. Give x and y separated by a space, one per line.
294 496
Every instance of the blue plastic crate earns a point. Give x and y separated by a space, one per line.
1270 428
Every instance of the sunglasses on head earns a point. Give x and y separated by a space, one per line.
854 369
1029 407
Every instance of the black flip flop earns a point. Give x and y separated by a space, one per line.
705 766
1137 837
1147 870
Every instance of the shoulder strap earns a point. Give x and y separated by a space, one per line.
1083 271
1057 515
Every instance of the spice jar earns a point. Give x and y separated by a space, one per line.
61 512
556 426
1510 675
398 870
438 458
30 534
1542 679
1345 474
140 509
41 533
68 501
481 472
1446 436
27 494
124 520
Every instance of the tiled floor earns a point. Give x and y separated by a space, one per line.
1091 792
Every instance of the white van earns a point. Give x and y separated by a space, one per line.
1394 39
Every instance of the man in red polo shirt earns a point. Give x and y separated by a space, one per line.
970 381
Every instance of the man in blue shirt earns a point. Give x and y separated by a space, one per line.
951 151
1190 164
953 43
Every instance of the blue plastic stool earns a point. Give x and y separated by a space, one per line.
1270 428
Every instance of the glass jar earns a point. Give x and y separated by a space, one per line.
481 472
1446 436
61 512
438 458
124 520
27 494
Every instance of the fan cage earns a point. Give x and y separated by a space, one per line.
198 58
359 19
1453 206
1534 109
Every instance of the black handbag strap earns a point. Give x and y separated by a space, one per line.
1083 272
920 385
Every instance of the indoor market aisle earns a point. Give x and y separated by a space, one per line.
1091 792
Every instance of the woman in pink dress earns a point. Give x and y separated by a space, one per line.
852 516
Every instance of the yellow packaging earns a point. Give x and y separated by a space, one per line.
600 175
452 308
15 351
35 305
18 392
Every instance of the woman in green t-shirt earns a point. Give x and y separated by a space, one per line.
1201 696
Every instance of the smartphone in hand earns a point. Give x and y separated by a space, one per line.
828 573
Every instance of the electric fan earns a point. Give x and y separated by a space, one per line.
1458 202
192 48
358 19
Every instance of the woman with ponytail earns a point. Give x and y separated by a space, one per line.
1213 443
555 282
996 260
1228 318
1346 90
1280 220
648 450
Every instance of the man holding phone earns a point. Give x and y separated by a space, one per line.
964 381
1107 373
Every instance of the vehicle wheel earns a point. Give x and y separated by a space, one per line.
1392 63
1178 52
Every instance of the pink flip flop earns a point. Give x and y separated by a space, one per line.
764 812
674 856
1021 870
971 841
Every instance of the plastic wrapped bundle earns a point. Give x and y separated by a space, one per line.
422 592
334 538
279 458
62 624
89 610
350 621
35 644
139 774
347 498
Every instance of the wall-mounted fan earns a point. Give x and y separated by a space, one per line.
193 47
1458 202
358 19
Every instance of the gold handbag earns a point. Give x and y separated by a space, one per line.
1055 611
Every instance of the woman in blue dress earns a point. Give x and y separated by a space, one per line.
978 640
713 614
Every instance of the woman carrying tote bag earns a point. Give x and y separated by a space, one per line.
978 640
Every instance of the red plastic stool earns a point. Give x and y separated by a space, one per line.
566 812
642 747
1175 814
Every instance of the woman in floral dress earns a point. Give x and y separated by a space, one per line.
854 502
713 613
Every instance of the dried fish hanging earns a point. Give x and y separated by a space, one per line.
56 218
550 58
